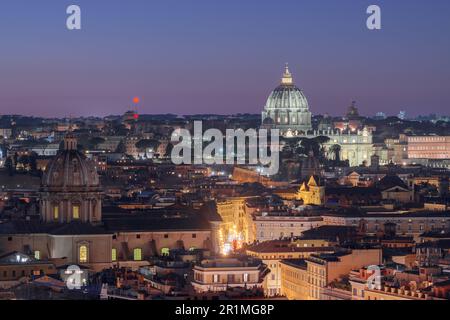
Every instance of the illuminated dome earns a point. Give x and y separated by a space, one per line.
70 190
287 107
70 169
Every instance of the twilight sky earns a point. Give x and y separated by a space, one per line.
209 56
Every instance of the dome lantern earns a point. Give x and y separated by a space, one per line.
70 142
287 76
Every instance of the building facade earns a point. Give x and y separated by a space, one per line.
273 252
310 278
409 224
429 147
278 225
215 275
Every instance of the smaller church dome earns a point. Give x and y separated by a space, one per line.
268 121
70 169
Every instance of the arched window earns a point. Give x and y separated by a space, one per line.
137 254
114 254
165 251
76 212
83 254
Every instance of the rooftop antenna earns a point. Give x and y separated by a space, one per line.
136 101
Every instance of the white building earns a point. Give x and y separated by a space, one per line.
276 225
214 275
46 150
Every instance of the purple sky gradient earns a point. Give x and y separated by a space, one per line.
204 56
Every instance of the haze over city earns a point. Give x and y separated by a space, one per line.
188 57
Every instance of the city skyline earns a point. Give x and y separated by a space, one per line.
222 58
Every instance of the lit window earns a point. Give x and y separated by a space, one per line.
165 251
76 212
37 255
114 254
137 254
83 254
56 212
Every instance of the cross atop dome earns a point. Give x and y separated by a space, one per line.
287 76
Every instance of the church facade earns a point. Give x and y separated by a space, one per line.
356 147
312 192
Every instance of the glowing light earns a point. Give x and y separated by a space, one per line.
226 249
136 100
233 242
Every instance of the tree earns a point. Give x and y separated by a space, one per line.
120 130
33 162
147 144
95 141
336 150
322 139
310 146
9 166
292 147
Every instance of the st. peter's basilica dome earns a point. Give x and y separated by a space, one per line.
287 107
